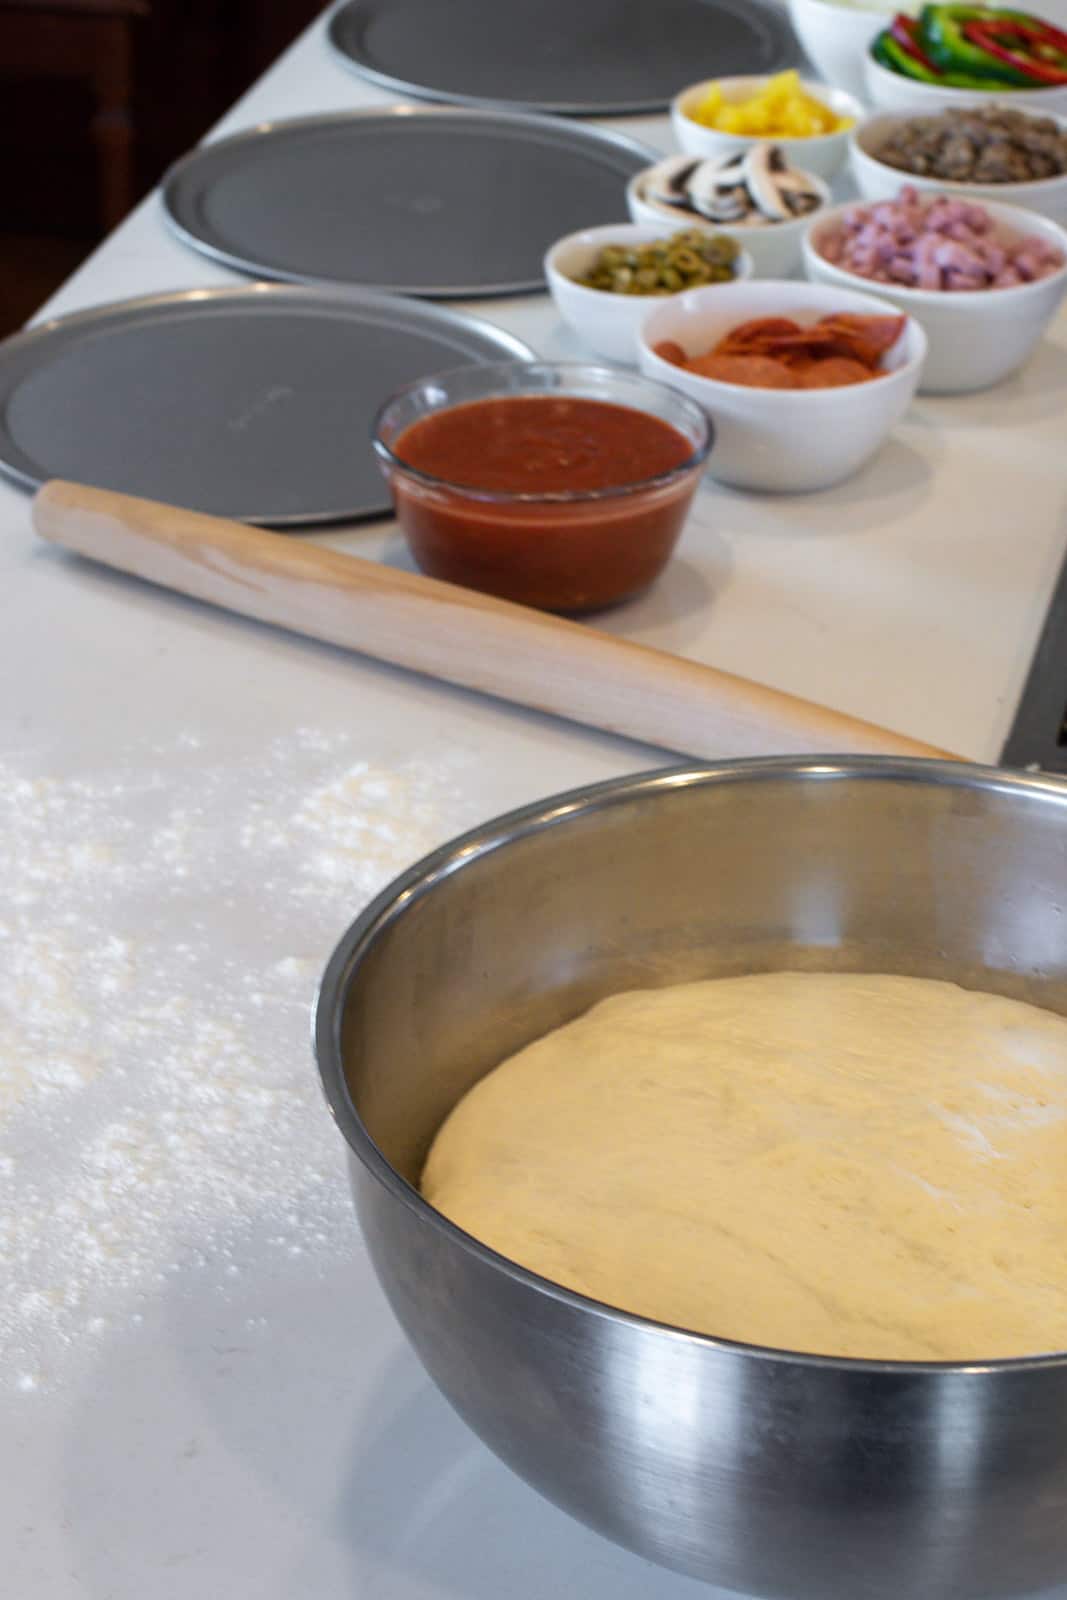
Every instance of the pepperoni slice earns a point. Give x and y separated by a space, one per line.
833 372
761 328
865 339
777 353
667 350
754 372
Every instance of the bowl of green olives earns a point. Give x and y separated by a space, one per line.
606 280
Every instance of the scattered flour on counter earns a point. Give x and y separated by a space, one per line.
349 829
161 936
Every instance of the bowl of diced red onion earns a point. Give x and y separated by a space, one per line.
983 280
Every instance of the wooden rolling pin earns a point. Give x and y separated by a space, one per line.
502 649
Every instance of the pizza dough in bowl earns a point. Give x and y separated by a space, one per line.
847 1165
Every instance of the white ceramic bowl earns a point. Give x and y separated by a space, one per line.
976 338
775 247
875 180
835 39
890 91
608 323
783 439
824 154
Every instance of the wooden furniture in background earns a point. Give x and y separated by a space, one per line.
89 41
97 98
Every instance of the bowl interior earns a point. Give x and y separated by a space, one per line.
833 864
571 256
818 20
749 237
498 380
736 89
1010 222
869 139
695 321
894 90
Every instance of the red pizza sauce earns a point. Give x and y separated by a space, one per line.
564 554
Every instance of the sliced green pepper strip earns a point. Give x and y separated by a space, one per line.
942 32
889 52
905 30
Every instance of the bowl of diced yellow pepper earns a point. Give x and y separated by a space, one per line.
810 121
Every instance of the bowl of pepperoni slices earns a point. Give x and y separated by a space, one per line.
802 382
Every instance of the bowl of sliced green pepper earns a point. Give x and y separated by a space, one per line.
965 54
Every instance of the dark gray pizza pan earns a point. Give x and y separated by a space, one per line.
571 57
410 200
254 402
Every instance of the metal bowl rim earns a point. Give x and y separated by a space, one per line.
425 874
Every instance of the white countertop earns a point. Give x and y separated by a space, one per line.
202 1391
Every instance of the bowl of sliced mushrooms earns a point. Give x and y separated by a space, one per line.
604 280
754 197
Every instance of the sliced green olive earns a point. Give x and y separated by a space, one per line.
665 266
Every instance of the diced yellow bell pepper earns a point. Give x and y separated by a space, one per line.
783 109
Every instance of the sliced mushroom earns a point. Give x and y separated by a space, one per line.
749 189
667 181
728 205
797 193
762 179
719 192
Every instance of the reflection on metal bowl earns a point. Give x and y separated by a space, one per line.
762 1470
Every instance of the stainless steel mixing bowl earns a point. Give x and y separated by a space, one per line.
762 1470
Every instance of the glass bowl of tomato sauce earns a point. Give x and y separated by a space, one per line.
559 486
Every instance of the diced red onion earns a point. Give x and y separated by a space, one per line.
946 243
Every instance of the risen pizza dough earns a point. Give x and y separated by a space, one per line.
853 1165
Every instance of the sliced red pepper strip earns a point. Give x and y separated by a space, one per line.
1017 44
1033 38
905 30
1045 33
